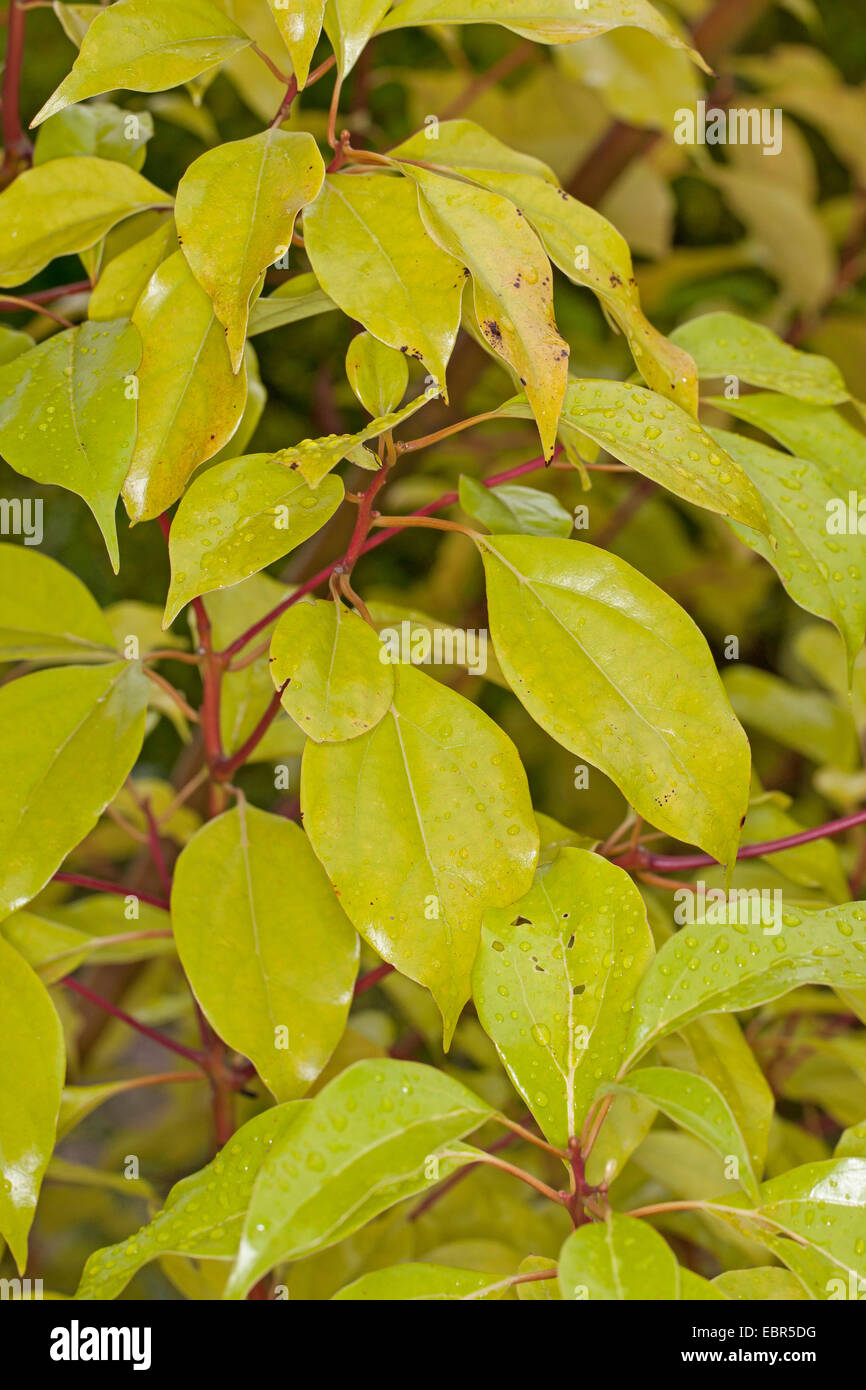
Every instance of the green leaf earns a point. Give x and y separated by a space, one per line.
514 510
660 440
806 720
721 968
316 458
512 286
811 432
694 1286
349 24
541 1290
82 729
366 1141
102 130
299 298
545 21
147 46
554 981
80 1101
300 26
580 241
190 402
68 415
723 1057
441 784
372 255
767 1284
236 518
616 672
821 572
203 1214
75 20
816 1217
412 1282
235 212
12 344
32 1065
725 345
265 944
698 1106
65 206
329 660
618 1260
46 613
377 374
126 276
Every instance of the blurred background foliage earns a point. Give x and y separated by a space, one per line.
779 240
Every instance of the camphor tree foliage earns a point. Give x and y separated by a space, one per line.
431 804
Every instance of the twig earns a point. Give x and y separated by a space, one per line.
101 885
164 1041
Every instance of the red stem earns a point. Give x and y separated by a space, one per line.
223 770
101 885
640 858
365 982
16 146
161 1038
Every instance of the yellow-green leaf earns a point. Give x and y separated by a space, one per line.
512 286
443 787
64 206
190 402
46 613
349 24
328 659
411 1283
147 46
265 945
377 374
554 982
725 345
82 729
68 415
300 24
238 517
618 673
368 246
125 278
618 1260
32 1065
299 298
235 212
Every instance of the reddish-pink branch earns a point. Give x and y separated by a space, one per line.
16 146
640 858
372 977
164 1041
101 885
223 770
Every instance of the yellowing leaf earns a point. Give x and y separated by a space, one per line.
64 206
46 613
124 279
368 246
235 213
265 945
554 982
32 1065
336 685
388 1119
236 518
190 402
298 298
300 24
314 459
349 24
444 788
147 46
580 241
68 415
618 673
512 285
546 21
82 729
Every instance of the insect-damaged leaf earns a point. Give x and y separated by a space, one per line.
328 659
68 415
235 213
440 785
371 253
618 673
32 1065
512 286
190 402
265 944
147 46
554 980
366 1141
82 729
